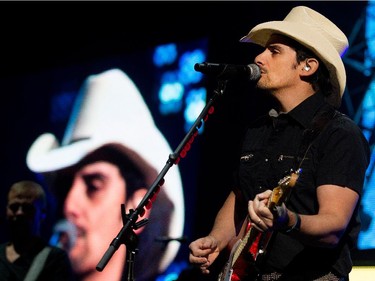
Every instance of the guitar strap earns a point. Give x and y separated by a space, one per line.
317 125
321 119
37 265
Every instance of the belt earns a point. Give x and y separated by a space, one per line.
273 276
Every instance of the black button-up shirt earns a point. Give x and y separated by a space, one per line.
339 155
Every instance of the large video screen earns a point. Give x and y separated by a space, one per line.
147 101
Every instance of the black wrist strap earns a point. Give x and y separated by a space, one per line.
296 226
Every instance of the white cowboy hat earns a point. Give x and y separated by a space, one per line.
315 32
111 110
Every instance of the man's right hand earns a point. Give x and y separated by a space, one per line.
203 253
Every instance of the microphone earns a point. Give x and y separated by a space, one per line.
227 71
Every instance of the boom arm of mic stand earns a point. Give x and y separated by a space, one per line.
130 222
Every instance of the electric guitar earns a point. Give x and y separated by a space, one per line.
249 250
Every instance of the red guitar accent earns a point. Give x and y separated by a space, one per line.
247 251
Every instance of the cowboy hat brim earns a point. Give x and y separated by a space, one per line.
324 45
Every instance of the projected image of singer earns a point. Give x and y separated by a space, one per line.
111 153
304 146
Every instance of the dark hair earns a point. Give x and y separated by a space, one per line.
320 80
129 171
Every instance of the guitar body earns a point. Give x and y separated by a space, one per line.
245 253
248 251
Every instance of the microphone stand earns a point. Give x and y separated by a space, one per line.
126 235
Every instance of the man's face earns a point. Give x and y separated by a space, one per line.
93 205
24 214
278 66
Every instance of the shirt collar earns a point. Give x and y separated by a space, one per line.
305 111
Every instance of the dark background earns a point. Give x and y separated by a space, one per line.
38 36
